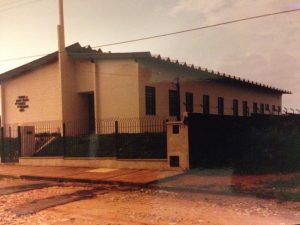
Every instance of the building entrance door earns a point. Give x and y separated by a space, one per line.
91 118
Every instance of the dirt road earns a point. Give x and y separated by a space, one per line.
39 202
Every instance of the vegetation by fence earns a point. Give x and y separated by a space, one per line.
257 144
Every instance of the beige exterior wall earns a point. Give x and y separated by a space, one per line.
116 84
84 72
42 88
117 89
119 85
163 79
75 105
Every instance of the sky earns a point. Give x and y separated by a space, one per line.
266 50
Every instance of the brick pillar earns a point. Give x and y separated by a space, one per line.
178 145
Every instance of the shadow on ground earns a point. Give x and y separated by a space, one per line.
283 187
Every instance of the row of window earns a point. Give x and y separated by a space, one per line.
174 105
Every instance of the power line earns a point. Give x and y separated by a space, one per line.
15 5
23 57
168 34
198 28
7 3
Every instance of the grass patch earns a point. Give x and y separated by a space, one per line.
291 183
279 189
284 196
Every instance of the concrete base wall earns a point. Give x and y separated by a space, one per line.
97 162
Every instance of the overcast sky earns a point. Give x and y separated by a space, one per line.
265 50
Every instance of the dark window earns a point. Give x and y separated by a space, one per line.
189 102
173 103
175 129
220 106
255 107
245 108
150 101
262 108
174 161
91 113
273 108
267 107
279 109
205 104
235 107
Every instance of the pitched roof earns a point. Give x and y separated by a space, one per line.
77 52
34 64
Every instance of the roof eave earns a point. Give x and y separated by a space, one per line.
29 66
217 75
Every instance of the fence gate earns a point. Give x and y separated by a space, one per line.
214 140
10 144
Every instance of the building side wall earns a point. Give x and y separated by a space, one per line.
75 104
42 88
84 72
163 78
117 88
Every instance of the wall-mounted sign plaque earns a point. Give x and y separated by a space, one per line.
22 103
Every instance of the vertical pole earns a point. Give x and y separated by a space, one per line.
2 145
165 126
178 99
2 91
116 138
19 141
62 56
64 140
165 137
96 111
7 154
61 26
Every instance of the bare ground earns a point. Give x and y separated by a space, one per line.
161 207
209 199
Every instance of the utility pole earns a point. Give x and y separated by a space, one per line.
62 57
61 28
178 99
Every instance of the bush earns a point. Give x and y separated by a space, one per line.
274 147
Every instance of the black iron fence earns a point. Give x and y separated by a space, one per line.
10 143
122 138
145 138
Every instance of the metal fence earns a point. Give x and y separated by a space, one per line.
10 143
122 138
